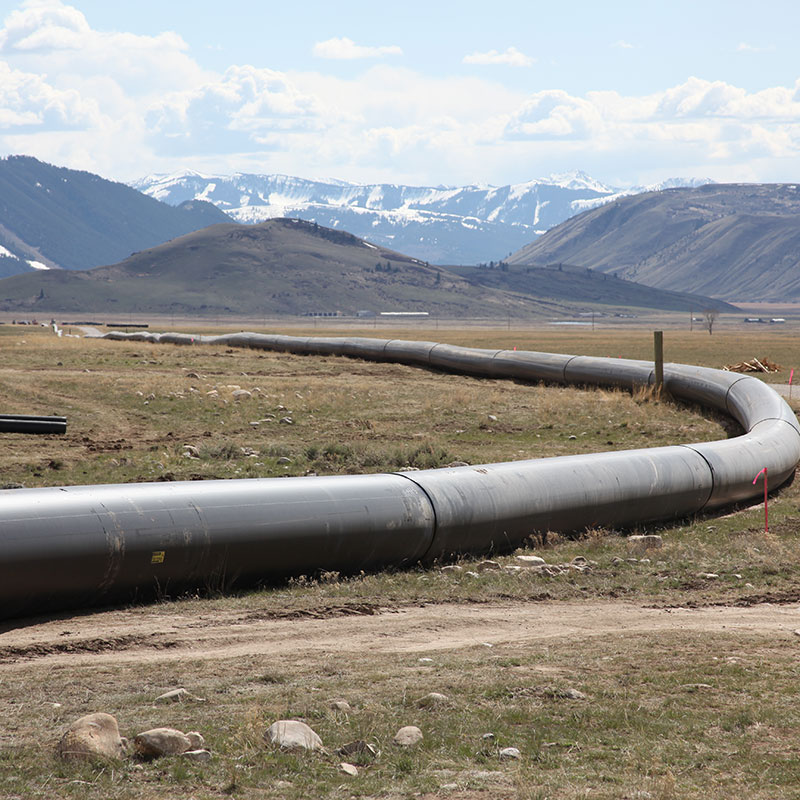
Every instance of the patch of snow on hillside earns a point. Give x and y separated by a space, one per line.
37 265
518 190
670 183
206 192
6 253
255 214
375 198
576 180
539 207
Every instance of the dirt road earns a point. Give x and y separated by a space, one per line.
144 635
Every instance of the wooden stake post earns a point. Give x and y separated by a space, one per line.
658 347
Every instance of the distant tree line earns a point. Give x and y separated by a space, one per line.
501 265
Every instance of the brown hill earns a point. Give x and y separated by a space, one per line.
282 266
740 242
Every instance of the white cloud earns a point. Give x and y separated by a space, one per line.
42 26
511 57
701 98
27 100
623 45
346 49
124 104
244 107
49 36
554 114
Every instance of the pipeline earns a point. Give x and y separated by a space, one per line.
30 423
76 546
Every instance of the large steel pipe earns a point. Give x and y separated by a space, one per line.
75 546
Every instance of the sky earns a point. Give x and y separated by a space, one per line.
420 92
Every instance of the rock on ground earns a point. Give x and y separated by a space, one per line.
178 696
291 734
360 748
531 559
93 736
567 693
166 742
432 699
408 736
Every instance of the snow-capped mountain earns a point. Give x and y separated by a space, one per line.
670 183
441 225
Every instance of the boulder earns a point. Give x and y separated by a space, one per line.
291 734
93 736
432 700
408 736
166 742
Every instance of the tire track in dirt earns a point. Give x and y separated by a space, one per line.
142 636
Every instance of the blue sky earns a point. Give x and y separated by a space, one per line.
415 92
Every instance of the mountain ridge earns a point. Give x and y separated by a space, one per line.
294 267
739 242
439 224
70 219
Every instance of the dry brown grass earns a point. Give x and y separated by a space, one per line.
132 407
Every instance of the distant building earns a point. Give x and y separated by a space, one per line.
405 314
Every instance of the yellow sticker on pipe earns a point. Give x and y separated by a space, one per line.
157 557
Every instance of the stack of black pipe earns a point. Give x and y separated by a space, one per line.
27 423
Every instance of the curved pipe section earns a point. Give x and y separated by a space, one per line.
74 546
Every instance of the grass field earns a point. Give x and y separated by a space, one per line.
686 710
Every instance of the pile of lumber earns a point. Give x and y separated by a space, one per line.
754 365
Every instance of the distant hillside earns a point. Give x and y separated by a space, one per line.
586 287
740 242
53 218
283 266
439 224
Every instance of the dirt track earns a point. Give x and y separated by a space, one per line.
144 635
